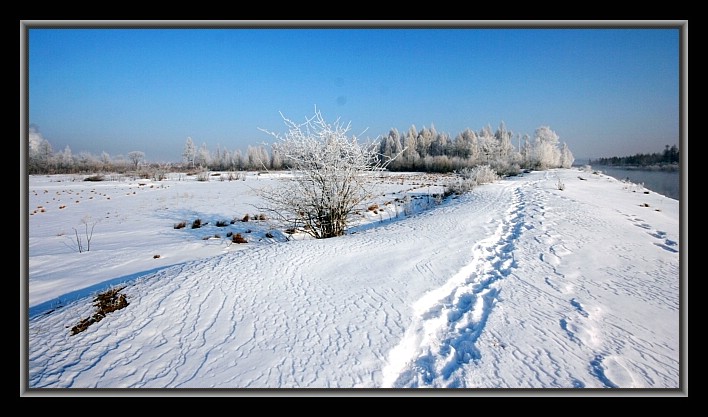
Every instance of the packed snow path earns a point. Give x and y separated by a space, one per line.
515 285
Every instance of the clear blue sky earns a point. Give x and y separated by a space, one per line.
608 91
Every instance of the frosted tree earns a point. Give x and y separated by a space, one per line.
66 158
545 134
202 157
439 145
467 146
423 141
190 152
504 146
257 158
105 159
389 147
546 152
217 158
526 151
40 151
329 176
487 146
545 156
410 154
566 156
276 160
86 161
237 160
136 157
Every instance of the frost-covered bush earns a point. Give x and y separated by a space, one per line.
560 185
203 176
330 173
482 174
506 168
459 185
468 178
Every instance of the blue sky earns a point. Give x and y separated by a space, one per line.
607 91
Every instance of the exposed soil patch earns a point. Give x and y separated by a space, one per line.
105 303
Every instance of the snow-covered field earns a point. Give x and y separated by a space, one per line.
517 284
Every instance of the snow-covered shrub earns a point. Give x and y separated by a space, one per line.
482 174
468 178
203 176
330 176
459 185
560 184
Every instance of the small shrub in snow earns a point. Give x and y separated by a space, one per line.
237 238
203 176
458 186
483 174
89 225
468 178
560 185
196 224
105 302
159 175
180 225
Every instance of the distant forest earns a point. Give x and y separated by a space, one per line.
504 151
670 156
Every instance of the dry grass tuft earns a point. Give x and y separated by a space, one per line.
105 302
237 238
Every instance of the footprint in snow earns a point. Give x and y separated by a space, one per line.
578 307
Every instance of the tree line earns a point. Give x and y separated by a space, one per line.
670 156
424 150
507 153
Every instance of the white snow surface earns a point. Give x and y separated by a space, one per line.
516 284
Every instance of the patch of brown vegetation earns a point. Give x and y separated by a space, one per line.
105 302
237 238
